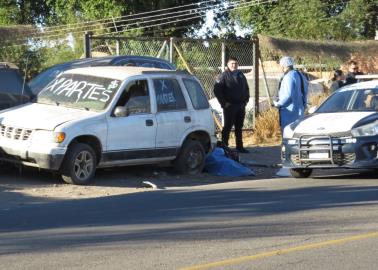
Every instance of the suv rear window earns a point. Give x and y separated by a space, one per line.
168 95
197 96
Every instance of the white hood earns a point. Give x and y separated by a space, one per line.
324 123
41 116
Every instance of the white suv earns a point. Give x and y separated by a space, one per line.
95 117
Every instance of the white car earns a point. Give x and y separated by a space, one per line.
341 133
95 117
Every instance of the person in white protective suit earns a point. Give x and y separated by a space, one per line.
292 93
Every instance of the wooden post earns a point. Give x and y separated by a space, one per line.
256 56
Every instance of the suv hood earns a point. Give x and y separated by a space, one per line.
41 116
324 123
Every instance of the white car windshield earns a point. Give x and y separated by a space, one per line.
351 100
79 91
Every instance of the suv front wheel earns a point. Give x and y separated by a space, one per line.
79 165
191 159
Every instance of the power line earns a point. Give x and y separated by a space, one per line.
234 5
231 6
122 20
174 15
137 14
257 2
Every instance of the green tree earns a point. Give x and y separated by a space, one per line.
73 11
23 12
315 19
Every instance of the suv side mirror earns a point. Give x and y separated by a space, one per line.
120 111
312 109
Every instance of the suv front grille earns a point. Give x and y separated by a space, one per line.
338 158
15 133
321 150
332 134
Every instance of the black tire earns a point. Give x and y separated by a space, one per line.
191 158
79 165
300 173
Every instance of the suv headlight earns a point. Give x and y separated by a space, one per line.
366 130
45 136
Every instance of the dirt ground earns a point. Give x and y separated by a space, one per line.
32 183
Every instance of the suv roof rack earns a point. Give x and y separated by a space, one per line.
178 71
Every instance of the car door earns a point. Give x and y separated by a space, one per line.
132 136
172 116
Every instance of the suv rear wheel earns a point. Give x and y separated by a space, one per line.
79 165
300 173
191 159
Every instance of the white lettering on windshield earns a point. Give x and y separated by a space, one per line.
82 90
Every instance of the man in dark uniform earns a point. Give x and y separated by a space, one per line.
353 70
232 92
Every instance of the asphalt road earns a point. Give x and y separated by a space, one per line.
329 222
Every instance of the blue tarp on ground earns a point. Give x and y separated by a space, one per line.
217 163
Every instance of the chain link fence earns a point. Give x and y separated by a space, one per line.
205 59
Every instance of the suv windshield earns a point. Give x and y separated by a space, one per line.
351 100
79 91
45 77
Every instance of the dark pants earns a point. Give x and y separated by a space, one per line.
233 115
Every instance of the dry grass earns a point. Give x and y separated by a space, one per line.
267 128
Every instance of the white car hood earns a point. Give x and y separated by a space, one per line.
40 116
325 123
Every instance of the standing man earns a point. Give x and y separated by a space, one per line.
353 70
232 92
292 93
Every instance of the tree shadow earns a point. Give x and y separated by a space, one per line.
172 215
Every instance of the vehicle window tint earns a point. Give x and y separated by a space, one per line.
43 79
135 98
338 102
197 96
11 81
147 64
366 100
168 95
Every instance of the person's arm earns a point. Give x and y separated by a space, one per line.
246 89
219 91
284 95
305 85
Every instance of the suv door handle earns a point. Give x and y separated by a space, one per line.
149 122
187 119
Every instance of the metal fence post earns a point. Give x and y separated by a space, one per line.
87 44
171 49
256 56
223 56
117 47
